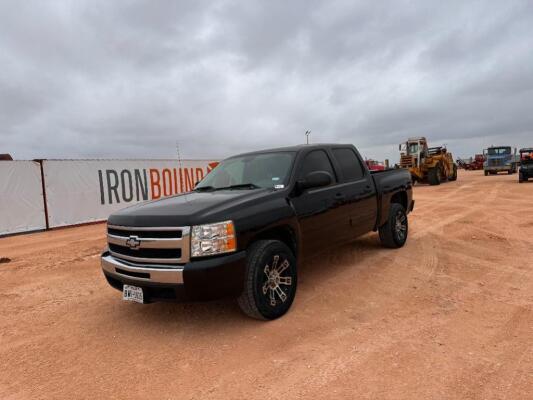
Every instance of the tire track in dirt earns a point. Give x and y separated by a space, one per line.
435 227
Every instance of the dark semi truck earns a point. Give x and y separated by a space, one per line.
250 222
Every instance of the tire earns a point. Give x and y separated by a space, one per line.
434 176
520 178
393 234
453 177
510 172
486 173
270 280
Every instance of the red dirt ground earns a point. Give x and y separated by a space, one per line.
449 316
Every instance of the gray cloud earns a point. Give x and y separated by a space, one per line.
130 78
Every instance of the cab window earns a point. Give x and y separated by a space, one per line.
316 160
349 163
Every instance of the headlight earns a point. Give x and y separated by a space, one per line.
207 240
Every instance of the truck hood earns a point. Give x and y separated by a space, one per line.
188 209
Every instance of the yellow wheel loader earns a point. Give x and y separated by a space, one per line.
431 165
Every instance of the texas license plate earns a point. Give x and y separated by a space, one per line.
132 293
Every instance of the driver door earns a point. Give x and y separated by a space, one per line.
319 210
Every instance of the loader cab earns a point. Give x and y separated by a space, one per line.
413 152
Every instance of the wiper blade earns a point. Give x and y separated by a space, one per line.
204 188
240 186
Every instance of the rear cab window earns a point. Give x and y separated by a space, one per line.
349 164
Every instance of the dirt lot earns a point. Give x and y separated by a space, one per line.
447 317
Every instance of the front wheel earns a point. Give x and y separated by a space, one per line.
393 233
453 177
270 280
434 176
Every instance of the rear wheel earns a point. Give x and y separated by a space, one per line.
434 176
520 177
270 280
394 233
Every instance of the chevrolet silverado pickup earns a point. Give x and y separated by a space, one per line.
250 222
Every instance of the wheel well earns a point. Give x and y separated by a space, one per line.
284 234
400 198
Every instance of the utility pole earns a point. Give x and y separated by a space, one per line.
307 133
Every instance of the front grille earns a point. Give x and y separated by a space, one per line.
145 253
140 233
141 245
406 161
495 163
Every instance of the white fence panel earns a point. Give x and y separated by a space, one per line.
80 191
21 199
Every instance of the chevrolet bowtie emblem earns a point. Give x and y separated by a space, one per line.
133 242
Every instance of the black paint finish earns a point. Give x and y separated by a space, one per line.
308 222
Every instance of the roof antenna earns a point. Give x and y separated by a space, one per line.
181 168
178 153
307 133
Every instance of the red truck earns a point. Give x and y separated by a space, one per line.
473 164
374 165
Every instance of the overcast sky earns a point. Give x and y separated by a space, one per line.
130 78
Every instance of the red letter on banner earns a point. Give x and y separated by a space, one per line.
155 186
167 182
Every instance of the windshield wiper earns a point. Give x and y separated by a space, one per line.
240 186
206 188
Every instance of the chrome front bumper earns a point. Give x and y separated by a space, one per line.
141 272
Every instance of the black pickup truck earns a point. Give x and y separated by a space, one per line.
248 224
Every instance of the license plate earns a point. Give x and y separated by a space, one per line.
132 293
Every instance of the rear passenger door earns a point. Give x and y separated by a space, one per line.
359 188
317 209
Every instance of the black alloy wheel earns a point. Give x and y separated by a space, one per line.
394 232
270 281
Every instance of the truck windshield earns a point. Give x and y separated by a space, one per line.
263 170
499 151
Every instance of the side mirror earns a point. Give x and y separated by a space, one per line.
399 147
314 180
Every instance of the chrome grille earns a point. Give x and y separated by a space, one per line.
407 161
157 245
